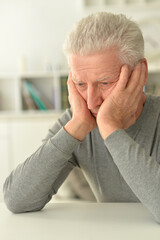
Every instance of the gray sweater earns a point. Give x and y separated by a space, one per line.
123 168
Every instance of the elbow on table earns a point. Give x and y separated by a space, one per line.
17 206
14 208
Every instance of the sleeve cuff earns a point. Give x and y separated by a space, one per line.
117 140
64 142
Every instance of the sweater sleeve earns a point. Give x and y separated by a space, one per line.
31 185
139 170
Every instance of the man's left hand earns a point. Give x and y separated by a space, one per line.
124 104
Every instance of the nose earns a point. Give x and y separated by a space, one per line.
94 98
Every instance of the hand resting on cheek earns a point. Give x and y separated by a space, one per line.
125 103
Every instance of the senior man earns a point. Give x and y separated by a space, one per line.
111 131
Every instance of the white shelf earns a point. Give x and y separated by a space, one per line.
126 3
138 9
47 83
29 114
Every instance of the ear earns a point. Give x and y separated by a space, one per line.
144 60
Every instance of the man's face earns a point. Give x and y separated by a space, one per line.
95 76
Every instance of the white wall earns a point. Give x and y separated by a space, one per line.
36 29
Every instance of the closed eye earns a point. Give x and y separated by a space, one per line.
80 84
104 83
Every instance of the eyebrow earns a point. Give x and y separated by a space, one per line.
102 79
97 80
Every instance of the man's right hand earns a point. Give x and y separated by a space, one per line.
82 121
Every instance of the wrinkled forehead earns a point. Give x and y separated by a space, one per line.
96 66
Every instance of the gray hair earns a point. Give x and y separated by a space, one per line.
101 31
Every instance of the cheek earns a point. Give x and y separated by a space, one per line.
83 93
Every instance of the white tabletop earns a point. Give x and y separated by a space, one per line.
80 221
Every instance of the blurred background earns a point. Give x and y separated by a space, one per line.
33 72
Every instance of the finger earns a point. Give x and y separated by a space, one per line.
134 80
140 82
140 103
143 75
69 79
71 85
124 77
